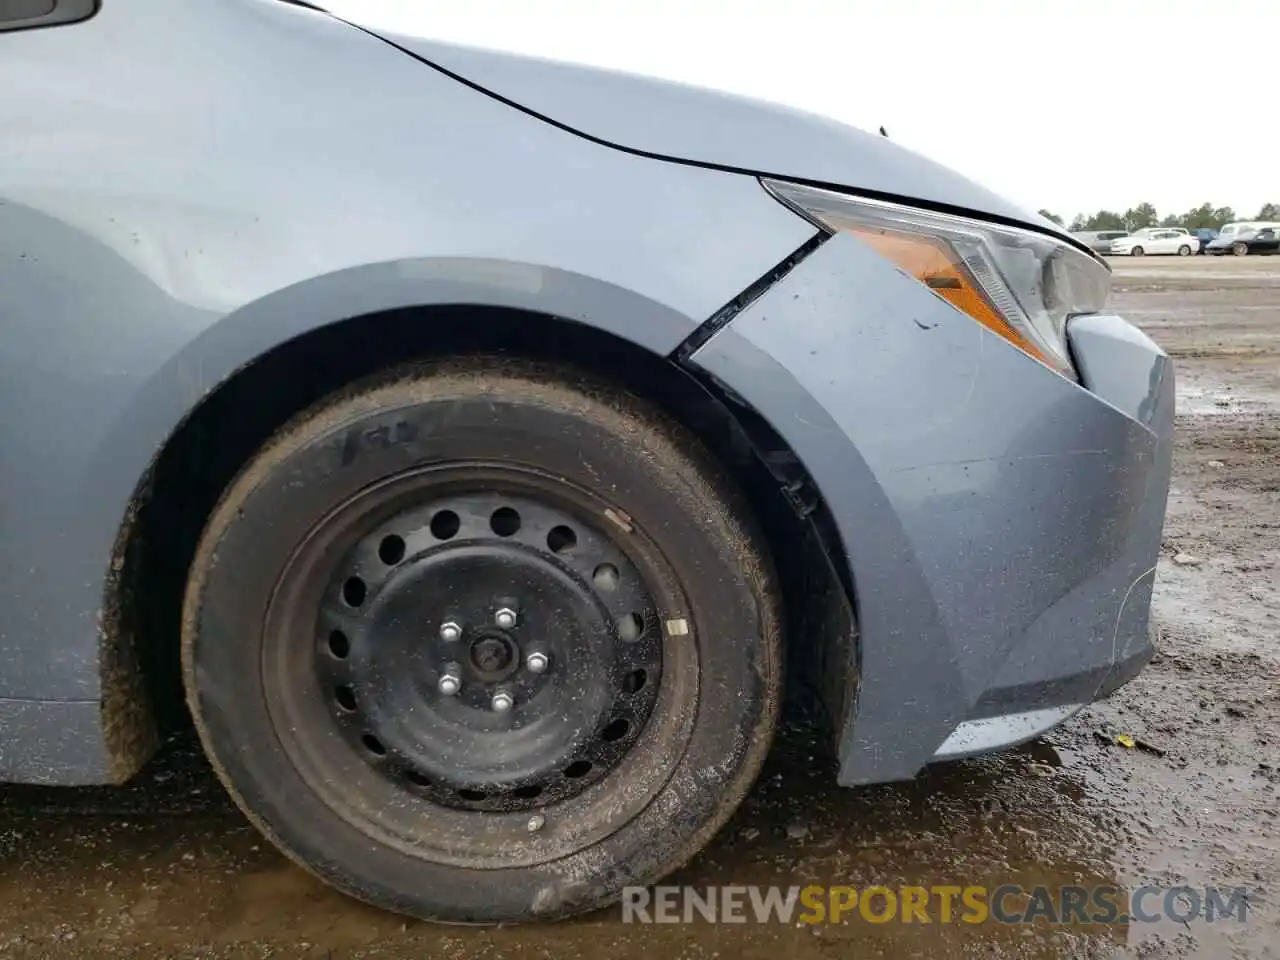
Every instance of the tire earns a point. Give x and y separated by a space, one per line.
1184 251
624 555
1137 252
1240 249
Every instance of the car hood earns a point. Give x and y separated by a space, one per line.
674 121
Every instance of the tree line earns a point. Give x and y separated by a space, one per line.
1146 215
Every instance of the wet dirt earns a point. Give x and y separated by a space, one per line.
167 867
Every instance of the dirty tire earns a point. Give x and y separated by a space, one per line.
1240 249
630 483
1137 252
1184 251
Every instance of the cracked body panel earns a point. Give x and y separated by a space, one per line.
1000 522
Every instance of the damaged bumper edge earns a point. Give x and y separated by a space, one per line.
1000 522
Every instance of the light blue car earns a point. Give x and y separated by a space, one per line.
465 437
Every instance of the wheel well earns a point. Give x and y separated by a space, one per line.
223 432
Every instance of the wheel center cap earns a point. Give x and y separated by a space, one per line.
492 654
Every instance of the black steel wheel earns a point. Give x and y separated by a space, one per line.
487 646
477 645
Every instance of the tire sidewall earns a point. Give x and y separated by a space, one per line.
636 460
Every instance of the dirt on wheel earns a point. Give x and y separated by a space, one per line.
1175 781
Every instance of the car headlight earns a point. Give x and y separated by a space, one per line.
1018 283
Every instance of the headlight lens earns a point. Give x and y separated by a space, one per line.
1020 284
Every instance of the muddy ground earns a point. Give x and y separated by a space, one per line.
167 867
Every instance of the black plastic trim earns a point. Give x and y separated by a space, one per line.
64 12
721 318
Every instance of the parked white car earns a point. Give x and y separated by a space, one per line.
1156 240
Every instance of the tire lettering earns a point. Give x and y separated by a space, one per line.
382 437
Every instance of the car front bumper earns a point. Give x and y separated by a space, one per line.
1000 523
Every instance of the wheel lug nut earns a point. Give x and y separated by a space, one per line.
450 631
505 618
450 680
536 822
536 662
502 702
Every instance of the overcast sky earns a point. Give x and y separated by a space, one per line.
1072 105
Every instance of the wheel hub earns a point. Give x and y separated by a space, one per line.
492 651
493 656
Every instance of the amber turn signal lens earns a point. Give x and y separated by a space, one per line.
932 262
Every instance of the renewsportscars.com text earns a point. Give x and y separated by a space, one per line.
1007 903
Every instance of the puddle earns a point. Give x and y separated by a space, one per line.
1202 396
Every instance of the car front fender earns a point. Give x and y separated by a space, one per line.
150 248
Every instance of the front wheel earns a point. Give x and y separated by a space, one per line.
1137 252
1240 249
1184 251
484 641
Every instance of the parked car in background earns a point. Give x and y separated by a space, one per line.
1148 231
1156 240
1241 239
1099 241
1206 236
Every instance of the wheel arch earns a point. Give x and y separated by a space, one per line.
205 447
125 462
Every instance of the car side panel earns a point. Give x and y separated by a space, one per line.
56 742
185 185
